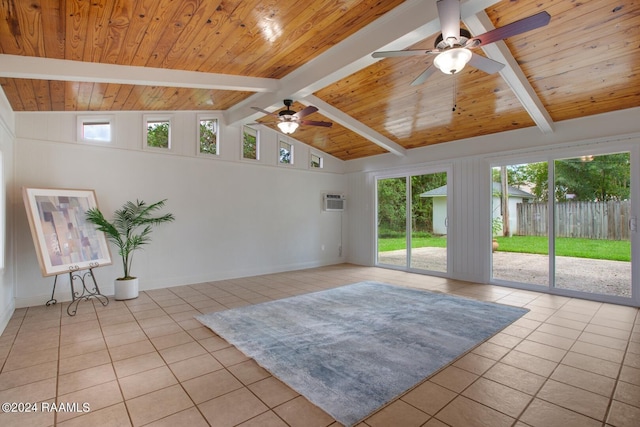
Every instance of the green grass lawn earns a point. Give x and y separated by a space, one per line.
392 244
614 250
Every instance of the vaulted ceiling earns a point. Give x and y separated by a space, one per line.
138 55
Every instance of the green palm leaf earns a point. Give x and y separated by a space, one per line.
124 231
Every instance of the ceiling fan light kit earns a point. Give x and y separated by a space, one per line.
289 120
453 60
288 127
453 46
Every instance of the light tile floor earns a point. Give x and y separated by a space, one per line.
568 362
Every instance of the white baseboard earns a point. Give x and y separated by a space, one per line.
63 293
5 315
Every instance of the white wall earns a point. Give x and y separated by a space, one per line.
7 138
238 218
469 229
233 217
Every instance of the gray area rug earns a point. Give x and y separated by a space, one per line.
352 349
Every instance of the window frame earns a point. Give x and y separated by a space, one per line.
242 143
95 119
320 161
156 118
203 117
284 140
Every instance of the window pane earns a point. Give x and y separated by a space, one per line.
249 143
429 222
286 153
98 131
158 134
316 161
592 207
392 221
519 223
209 136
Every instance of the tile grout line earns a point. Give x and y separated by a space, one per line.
244 386
610 398
179 382
617 383
104 338
242 290
57 397
458 394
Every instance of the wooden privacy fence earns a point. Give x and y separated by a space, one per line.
591 220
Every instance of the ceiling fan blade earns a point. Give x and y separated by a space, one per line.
394 53
264 111
526 24
449 14
424 76
314 123
305 112
485 64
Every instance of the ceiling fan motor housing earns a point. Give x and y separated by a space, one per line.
442 44
288 112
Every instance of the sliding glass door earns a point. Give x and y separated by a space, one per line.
566 224
592 212
519 223
412 222
392 221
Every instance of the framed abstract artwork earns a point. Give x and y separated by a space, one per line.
64 240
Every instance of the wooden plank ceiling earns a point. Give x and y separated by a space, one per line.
585 62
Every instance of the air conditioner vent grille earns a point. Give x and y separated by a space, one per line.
334 202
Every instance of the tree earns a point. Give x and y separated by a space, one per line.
504 201
158 134
538 177
392 204
590 178
594 178
285 156
208 137
517 175
249 145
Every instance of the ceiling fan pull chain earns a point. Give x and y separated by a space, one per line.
454 93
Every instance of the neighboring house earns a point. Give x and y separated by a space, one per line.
439 196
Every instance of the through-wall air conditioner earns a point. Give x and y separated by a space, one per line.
334 202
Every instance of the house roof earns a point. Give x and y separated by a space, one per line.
512 191
229 56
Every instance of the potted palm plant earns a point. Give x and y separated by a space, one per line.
124 232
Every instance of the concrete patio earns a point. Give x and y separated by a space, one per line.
580 274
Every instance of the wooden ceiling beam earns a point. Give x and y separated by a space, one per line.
511 73
341 60
405 25
29 67
356 126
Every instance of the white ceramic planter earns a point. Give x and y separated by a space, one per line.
125 289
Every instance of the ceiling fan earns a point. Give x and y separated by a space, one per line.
452 47
290 120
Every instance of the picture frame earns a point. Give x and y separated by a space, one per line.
64 240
